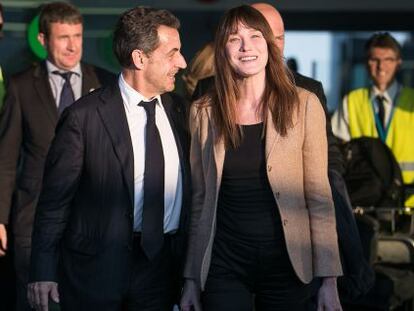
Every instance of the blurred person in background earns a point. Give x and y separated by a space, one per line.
201 67
34 100
385 109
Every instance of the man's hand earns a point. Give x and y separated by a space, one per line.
328 298
38 294
3 240
190 299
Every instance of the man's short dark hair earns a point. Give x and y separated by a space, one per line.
382 40
137 29
58 12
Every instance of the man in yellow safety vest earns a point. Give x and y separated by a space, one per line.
384 110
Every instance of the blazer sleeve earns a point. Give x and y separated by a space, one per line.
62 172
11 134
326 260
198 188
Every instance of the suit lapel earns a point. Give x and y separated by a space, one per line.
272 136
176 115
113 116
219 153
173 112
89 80
42 86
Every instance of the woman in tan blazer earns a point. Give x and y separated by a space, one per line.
263 223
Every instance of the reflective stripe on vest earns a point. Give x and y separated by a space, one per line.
401 130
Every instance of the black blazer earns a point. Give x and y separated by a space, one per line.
85 211
27 126
335 157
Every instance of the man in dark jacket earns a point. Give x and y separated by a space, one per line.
110 226
34 100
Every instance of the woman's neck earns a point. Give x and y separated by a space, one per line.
250 105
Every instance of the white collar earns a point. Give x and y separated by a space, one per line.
390 93
51 68
132 97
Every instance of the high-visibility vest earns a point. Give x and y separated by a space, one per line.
400 135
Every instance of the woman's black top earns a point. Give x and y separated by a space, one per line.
247 209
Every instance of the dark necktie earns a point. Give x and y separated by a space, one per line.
66 95
381 111
153 210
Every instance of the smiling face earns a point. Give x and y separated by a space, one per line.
162 64
63 44
246 50
383 64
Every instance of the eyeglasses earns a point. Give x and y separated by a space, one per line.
386 61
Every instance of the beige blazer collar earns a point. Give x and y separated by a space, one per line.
219 153
272 136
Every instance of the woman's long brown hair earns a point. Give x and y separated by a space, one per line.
280 94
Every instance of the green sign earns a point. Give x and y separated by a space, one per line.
34 44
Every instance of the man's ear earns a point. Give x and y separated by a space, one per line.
42 39
139 59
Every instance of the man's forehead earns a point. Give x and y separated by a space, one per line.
59 29
168 37
65 25
382 51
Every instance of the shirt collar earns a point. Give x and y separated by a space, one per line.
390 93
131 96
50 68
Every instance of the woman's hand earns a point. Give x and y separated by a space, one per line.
190 299
328 298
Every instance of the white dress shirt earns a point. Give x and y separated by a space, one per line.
56 81
340 119
137 120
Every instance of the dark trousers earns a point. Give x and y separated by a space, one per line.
148 286
152 286
7 277
22 249
247 276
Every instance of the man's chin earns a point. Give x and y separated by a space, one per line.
70 64
170 88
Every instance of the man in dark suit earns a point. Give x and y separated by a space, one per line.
359 277
34 100
111 220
